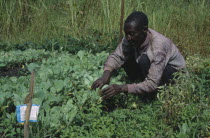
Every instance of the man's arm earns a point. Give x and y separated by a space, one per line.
117 58
100 82
150 84
114 61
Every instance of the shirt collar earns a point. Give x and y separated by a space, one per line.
146 41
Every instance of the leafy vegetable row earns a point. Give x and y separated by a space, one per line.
62 89
18 57
69 108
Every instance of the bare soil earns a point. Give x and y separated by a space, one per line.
13 72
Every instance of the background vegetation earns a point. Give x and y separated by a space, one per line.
186 22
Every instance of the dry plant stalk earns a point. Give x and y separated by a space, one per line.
28 102
121 19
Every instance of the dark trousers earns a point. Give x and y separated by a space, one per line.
139 71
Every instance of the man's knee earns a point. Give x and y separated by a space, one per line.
144 65
131 69
168 75
137 69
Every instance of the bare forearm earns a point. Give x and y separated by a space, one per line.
124 88
107 75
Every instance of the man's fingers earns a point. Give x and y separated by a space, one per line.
96 84
103 92
108 95
107 91
101 85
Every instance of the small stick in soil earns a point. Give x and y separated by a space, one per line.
28 102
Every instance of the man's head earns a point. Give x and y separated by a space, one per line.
135 28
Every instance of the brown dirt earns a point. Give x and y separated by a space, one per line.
13 71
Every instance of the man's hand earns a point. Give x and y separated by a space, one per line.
112 90
99 83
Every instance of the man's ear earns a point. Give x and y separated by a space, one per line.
145 29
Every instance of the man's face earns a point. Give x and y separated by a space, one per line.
134 36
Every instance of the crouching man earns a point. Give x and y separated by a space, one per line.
145 55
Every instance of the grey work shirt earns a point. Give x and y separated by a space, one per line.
160 51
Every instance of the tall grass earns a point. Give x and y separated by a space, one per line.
185 22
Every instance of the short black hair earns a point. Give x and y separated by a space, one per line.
139 18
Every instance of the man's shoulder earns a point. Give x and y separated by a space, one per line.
159 40
156 36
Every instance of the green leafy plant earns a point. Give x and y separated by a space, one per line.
69 108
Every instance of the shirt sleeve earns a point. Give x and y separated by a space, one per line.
153 78
118 57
